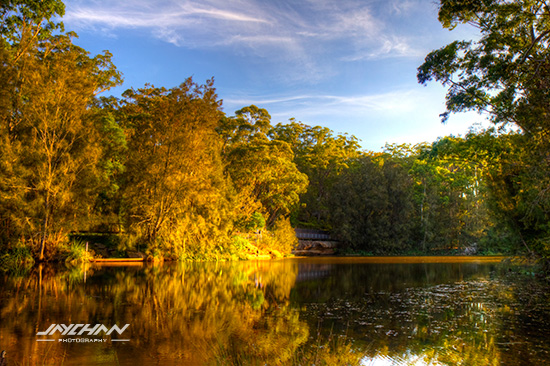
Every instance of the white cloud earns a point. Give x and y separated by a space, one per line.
320 108
222 14
386 48
287 29
145 14
400 101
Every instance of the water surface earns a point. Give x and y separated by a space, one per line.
372 311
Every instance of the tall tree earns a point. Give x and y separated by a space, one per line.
263 170
451 193
174 188
506 73
266 178
50 143
247 124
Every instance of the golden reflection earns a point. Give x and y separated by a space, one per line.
193 313
263 313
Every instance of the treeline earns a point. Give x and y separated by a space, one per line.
481 193
177 178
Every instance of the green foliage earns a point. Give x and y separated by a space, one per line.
264 174
179 203
372 209
239 246
516 174
178 178
248 124
450 194
49 149
79 253
322 157
263 170
16 259
506 73
112 164
255 222
23 23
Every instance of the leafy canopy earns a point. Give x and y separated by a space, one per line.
506 72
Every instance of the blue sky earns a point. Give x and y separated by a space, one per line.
344 64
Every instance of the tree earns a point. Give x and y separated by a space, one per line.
506 72
262 170
371 205
513 186
25 23
114 146
322 157
50 143
175 194
247 124
451 194
266 178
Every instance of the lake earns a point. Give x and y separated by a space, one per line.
301 311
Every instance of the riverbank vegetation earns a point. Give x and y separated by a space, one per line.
165 172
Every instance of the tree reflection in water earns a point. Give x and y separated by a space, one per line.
278 312
190 313
431 313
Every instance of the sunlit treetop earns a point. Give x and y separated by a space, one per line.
24 22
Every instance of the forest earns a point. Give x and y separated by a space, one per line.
165 171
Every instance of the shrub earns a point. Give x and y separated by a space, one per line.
78 253
17 258
281 238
